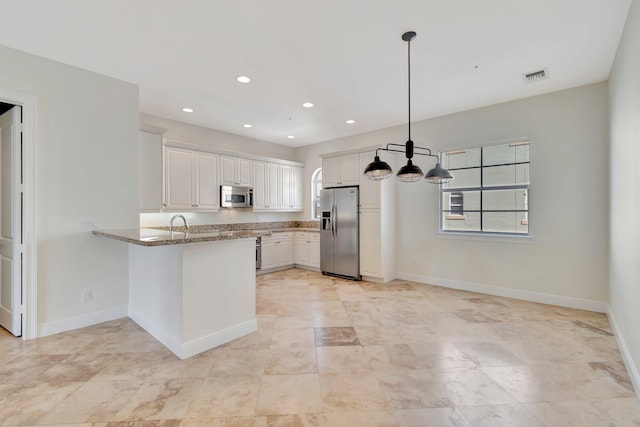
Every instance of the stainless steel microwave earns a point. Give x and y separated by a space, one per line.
236 197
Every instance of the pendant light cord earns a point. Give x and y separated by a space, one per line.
409 82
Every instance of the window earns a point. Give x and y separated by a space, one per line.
316 186
456 205
489 192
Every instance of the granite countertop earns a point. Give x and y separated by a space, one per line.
154 237
305 229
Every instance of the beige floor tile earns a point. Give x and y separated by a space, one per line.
500 416
94 402
441 417
291 361
238 362
342 359
336 336
346 392
225 397
570 413
293 420
424 355
620 412
488 354
421 388
27 403
219 422
289 394
293 337
362 418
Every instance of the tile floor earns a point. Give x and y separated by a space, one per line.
335 353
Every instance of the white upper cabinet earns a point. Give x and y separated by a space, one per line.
266 186
150 171
341 171
236 171
191 180
297 187
277 187
206 187
178 179
370 191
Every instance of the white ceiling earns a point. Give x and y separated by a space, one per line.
345 56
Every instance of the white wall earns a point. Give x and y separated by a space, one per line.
215 139
86 168
567 253
624 280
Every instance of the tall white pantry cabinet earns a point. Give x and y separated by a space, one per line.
376 209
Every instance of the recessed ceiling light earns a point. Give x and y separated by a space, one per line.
350 122
187 110
247 125
243 79
290 136
307 105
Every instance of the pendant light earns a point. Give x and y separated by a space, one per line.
379 169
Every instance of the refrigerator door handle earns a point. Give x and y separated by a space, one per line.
333 222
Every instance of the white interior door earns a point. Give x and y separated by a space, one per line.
10 222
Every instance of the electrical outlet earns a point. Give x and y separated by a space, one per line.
88 224
87 295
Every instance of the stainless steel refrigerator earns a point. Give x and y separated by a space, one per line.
339 232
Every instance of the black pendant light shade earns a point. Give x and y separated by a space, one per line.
378 170
410 172
438 175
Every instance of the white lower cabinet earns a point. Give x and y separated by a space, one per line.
307 249
370 243
277 250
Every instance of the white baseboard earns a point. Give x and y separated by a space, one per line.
632 369
210 341
571 302
191 348
71 323
307 267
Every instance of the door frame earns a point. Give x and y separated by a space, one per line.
29 284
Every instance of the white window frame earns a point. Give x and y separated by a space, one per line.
316 178
526 187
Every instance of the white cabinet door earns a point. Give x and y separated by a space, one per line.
286 201
350 170
273 187
236 171
297 187
150 171
244 174
330 172
370 243
270 254
285 249
206 174
259 185
228 173
341 171
314 252
369 190
179 182
302 251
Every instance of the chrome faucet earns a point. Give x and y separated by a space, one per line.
186 224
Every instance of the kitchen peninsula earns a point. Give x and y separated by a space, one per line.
191 292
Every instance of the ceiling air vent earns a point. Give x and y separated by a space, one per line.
536 76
